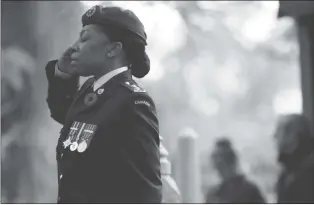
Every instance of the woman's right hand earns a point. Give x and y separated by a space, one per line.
64 63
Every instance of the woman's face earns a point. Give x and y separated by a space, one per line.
90 51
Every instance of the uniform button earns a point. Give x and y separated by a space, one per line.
61 176
61 155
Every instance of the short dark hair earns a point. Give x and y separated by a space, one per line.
229 153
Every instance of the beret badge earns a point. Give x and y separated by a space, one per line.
91 11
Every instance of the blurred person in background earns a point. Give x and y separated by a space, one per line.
234 186
294 137
16 70
108 149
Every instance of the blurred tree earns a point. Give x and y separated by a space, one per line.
17 66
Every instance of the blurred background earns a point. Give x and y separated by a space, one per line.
219 68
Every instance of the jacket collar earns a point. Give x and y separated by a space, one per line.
105 78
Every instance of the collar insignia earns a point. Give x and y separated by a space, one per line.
100 91
134 87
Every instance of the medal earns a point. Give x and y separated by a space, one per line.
73 146
90 99
82 146
66 143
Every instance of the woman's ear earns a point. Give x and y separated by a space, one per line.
118 45
115 50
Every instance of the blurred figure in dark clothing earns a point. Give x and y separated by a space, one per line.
296 155
234 186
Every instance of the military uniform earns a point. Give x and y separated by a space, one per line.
108 149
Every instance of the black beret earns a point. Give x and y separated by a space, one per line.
115 16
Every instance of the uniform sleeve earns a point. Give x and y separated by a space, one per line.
142 139
60 92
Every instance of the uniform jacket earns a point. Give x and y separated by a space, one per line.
116 158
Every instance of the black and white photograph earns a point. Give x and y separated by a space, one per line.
150 102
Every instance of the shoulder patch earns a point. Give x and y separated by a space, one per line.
134 87
142 102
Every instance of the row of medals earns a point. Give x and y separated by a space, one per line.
80 147
75 145
83 145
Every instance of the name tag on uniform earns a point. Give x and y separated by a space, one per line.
80 136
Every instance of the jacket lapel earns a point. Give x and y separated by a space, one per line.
85 86
109 89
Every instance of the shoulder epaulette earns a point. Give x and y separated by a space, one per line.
133 87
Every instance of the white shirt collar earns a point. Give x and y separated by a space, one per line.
105 78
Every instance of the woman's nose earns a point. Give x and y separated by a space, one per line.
74 49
